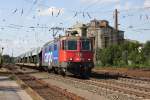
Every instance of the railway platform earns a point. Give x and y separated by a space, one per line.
10 90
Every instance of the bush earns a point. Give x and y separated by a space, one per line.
126 54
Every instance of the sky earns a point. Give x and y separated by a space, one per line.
26 24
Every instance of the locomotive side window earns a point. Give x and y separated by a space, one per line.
72 45
85 45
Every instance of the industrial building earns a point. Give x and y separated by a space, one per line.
102 33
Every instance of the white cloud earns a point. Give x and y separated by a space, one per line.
49 11
147 3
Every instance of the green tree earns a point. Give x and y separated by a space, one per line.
128 53
146 53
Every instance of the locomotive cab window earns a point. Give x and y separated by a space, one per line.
85 45
69 45
72 45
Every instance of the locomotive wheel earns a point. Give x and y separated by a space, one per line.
50 68
59 71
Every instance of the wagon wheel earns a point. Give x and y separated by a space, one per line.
63 71
56 70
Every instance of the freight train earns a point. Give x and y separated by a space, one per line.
72 54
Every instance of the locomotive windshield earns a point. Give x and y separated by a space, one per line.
85 45
72 45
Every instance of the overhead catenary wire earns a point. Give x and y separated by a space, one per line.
52 12
89 12
15 11
58 13
22 12
76 13
86 13
89 16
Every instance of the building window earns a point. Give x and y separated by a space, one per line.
106 39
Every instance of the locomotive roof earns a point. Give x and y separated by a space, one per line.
73 37
64 38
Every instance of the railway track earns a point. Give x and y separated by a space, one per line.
45 90
134 81
124 88
110 87
123 84
120 89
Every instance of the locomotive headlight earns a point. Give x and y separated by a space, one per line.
77 59
70 59
89 59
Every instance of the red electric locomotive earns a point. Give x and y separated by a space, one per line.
76 55
72 54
